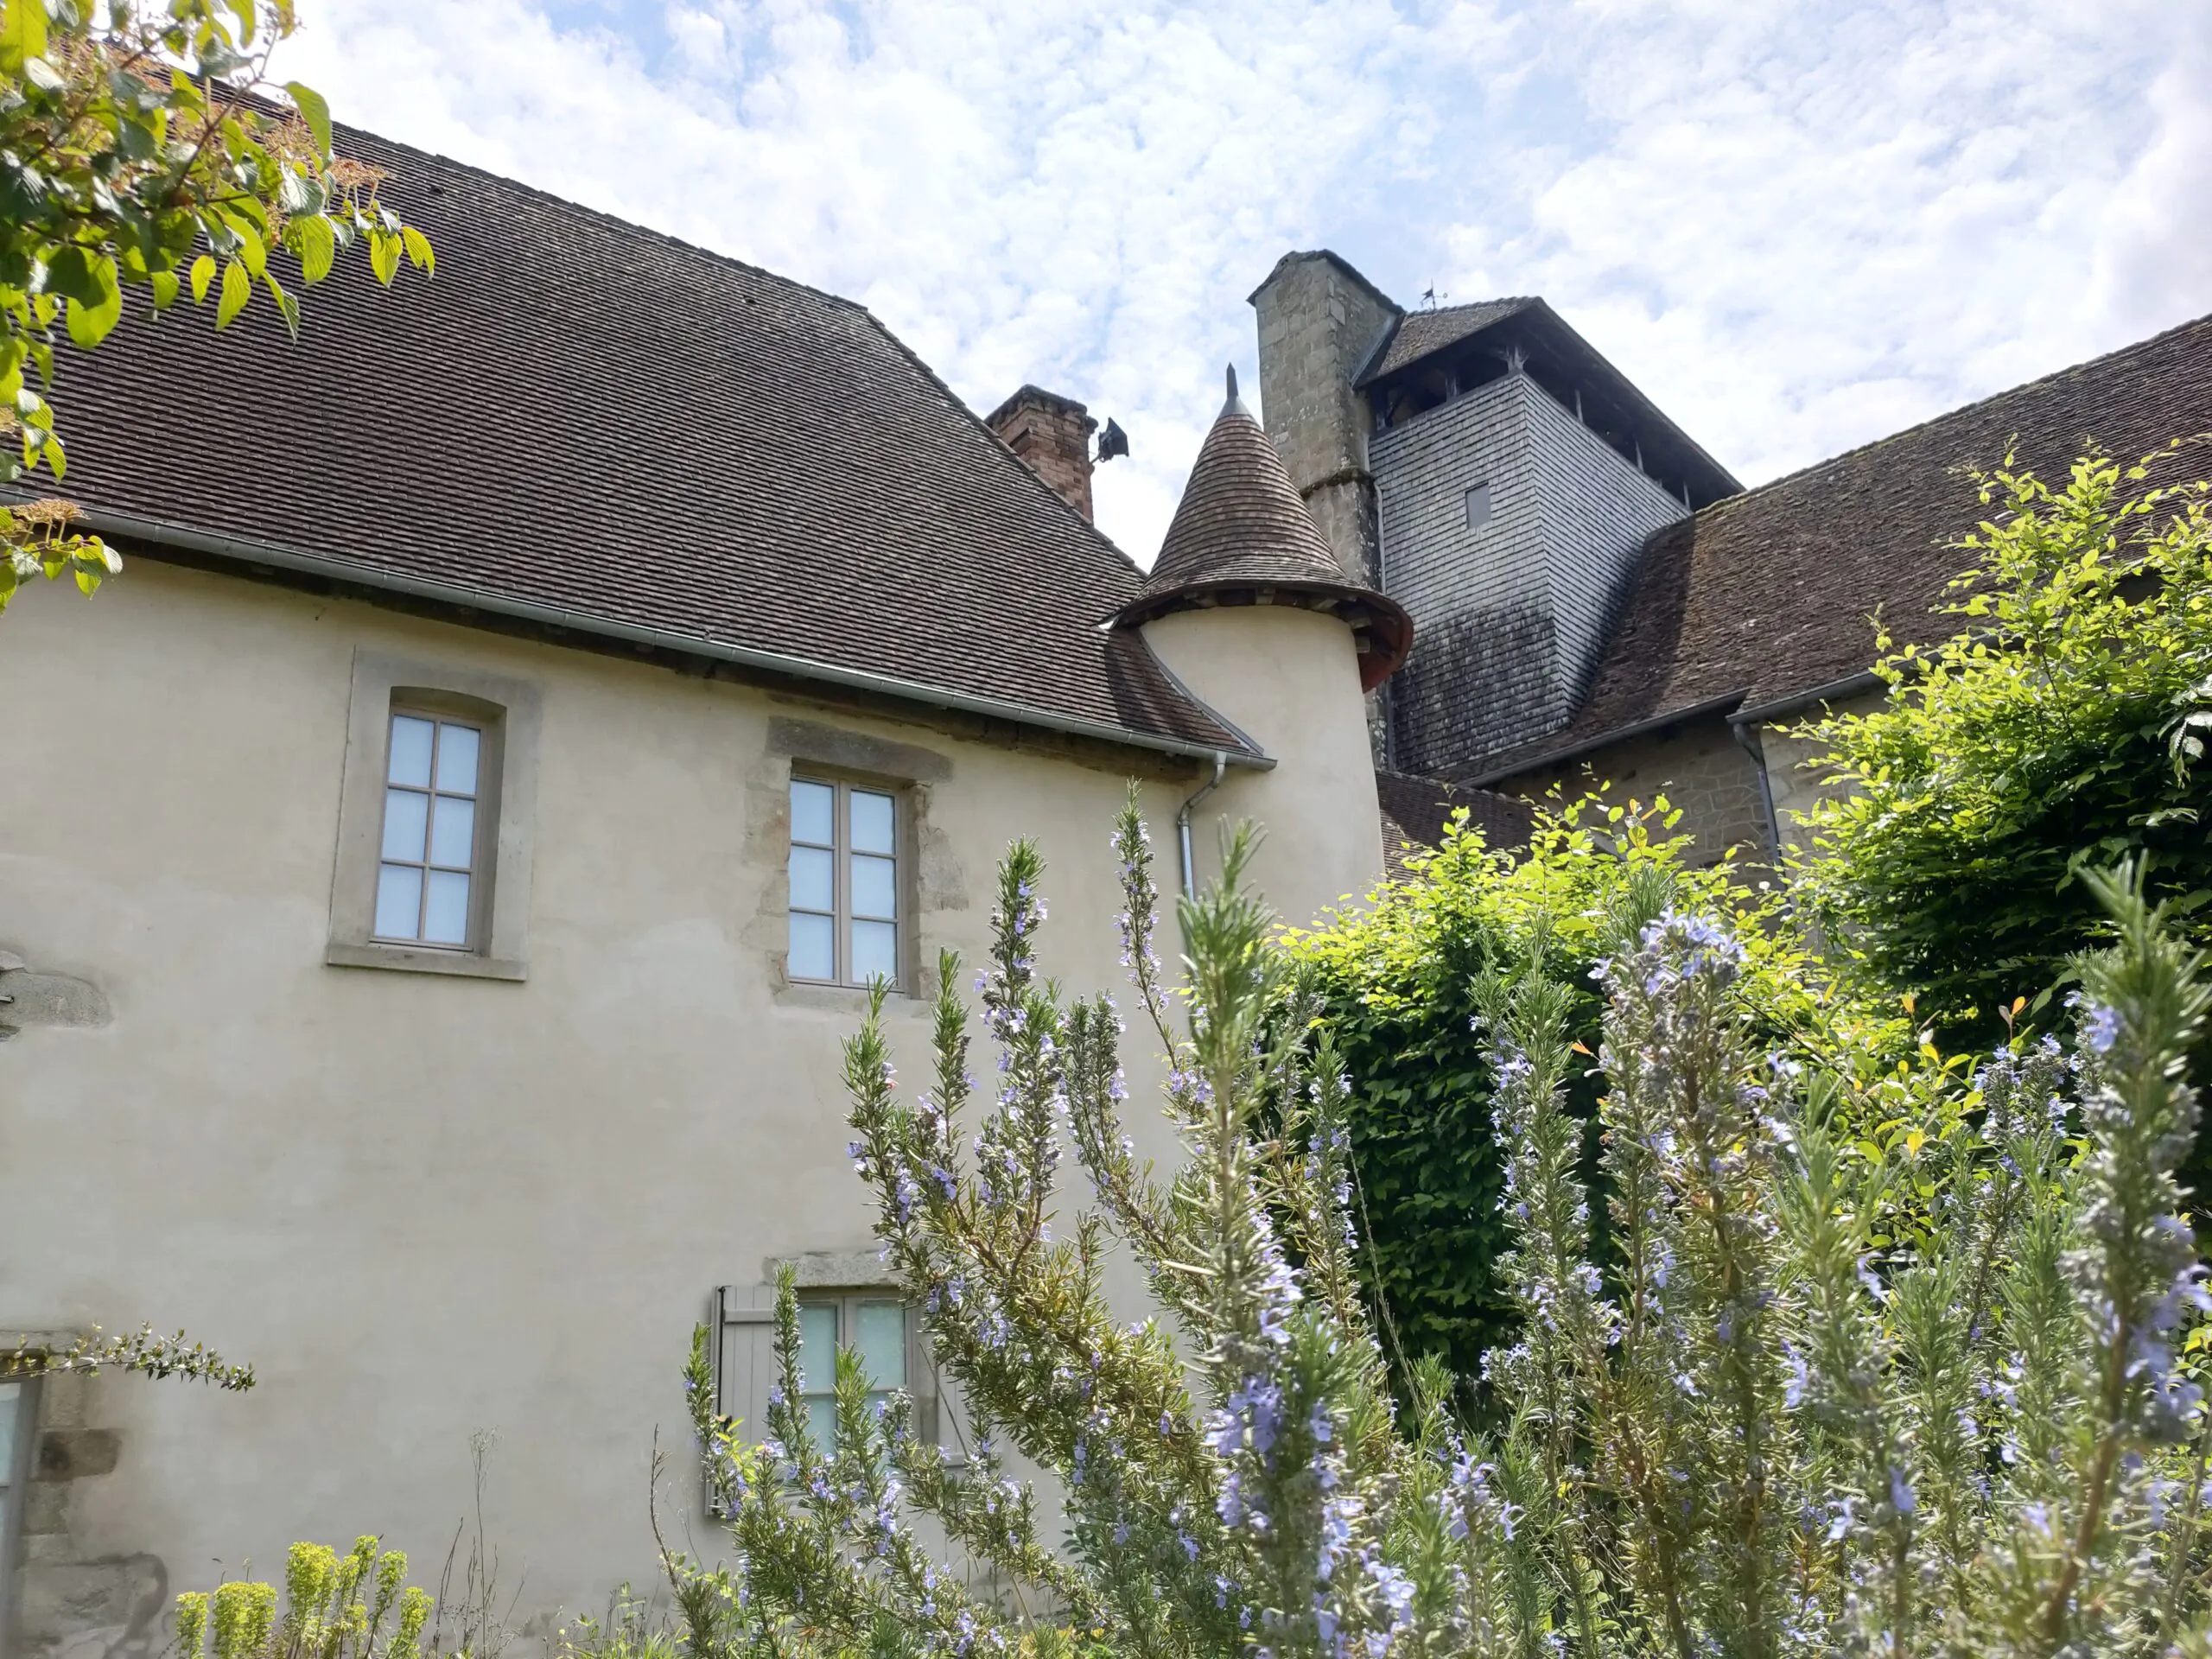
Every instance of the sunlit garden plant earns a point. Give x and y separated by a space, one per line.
1823 1394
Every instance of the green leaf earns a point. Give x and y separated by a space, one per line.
383 257
419 250
75 274
203 273
316 244
237 288
23 33
287 307
251 249
314 109
91 324
165 286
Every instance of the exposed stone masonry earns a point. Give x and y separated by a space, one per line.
1051 435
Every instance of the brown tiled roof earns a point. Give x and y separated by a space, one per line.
1416 810
586 418
1768 595
1241 531
1420 332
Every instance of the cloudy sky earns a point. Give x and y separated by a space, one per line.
1797 225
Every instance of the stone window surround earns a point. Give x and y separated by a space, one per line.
124 1595
510 712
826 754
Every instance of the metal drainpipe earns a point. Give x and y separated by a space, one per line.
1183 824
1751 747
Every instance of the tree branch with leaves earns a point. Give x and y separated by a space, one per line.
148 148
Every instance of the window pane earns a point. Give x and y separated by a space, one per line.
1477 506
11 1395
405 812
822 1420
445 919
814 947
875 951
453 833
817 1346
871 821
814 812
875 888
457 750
814 878
399 901
410 751
882 1343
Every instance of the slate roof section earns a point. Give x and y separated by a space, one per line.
1768 595
1420 332
1416 810
583 414
1241 534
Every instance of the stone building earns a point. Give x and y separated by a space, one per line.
445 863
1596 601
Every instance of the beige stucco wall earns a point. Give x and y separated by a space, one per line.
426 1206
1290 679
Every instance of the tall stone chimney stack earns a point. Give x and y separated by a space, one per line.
1051 435
1320 321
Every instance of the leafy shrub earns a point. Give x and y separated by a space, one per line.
358 1606
2060 730
1785 1423
1397 981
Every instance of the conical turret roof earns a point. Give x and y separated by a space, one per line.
1241 536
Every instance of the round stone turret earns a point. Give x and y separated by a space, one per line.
1249 612
1242 536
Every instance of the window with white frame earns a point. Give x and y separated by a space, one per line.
844 883
427 873
874 1328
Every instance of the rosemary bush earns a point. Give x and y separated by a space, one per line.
1835 1396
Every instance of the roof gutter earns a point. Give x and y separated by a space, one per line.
247 551
1850 685
1721 704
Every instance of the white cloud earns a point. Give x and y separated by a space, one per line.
1798 226
1801 226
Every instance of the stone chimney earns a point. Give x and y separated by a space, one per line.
1051 434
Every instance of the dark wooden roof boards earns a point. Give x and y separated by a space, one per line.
1417 334
1768 595
583 417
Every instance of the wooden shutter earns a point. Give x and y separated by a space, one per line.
745 1358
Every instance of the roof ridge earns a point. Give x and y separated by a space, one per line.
1813 468
999 443
583 210
647 232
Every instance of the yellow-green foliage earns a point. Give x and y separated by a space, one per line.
2061 728
358 1606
